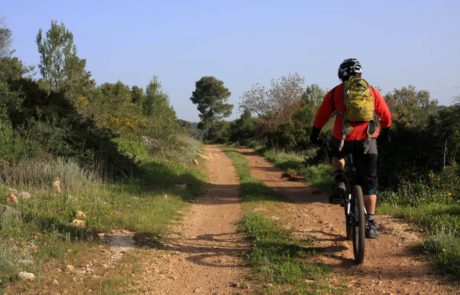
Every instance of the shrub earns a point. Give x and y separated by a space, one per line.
42 172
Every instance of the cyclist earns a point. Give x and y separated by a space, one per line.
360 140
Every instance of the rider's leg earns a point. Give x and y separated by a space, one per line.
370 202
366 163
338 192
338 164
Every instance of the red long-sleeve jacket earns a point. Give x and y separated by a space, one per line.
333 102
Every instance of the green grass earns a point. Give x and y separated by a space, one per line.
285 265
40 229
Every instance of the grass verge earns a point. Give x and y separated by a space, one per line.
284 264
441 223
39 231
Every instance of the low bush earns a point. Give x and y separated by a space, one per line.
41 173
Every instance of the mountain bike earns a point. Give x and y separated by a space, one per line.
353 204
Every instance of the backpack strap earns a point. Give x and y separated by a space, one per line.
344 133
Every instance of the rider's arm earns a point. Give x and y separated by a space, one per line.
382 110
325 111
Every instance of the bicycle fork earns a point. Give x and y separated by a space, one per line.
348 207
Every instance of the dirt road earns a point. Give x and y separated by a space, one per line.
203 256
390 266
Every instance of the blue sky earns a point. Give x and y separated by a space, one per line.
399 43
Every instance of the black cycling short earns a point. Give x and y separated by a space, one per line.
365 157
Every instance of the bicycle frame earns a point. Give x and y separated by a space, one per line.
354 208
350 179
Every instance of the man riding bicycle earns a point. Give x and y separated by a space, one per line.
355 131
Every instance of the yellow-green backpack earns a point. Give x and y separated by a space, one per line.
359 102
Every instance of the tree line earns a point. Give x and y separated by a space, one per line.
65 114
425 135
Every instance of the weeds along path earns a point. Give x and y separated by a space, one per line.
203 256
390 267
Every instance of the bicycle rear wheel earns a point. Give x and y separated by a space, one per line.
359 224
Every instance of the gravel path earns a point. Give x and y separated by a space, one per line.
390 266
203 256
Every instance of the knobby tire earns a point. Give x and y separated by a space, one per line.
359 224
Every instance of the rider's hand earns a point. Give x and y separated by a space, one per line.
314 137
384 136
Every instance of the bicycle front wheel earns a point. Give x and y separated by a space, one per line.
348 218
359 224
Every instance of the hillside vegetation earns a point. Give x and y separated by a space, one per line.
79 159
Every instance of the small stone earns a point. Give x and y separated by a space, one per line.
57 186
78 223
74 279
70 268
80 214
308 281
25 195
195 162
12 199
26 276
105 266
196 290
55 282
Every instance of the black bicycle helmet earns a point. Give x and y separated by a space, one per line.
348 68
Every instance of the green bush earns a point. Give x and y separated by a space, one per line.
14 147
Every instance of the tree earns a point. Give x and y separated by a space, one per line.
59 65
113 109
137 95
211 96
411 108
313 95
155 101
274 105
162 125
277 107
5 41
243 130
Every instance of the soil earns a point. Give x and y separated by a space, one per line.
391 265
203 256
